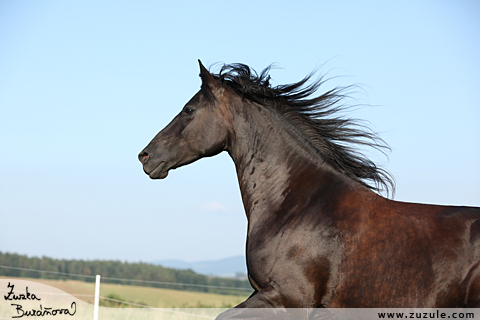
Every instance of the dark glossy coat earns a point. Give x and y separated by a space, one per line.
317 233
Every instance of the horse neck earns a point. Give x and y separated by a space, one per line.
277 168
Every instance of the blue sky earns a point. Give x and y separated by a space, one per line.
85 85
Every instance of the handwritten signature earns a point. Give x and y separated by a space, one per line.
40 312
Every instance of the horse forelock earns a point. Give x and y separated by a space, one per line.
317 118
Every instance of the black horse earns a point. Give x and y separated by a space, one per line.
318 233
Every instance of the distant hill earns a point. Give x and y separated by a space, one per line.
16 265
234 267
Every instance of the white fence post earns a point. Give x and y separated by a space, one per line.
97 297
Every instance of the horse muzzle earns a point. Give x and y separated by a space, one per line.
158 172
154 169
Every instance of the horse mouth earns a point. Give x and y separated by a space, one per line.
159 172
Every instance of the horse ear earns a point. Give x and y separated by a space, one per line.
208 81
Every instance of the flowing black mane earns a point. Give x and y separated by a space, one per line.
316 117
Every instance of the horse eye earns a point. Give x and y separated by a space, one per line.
189 110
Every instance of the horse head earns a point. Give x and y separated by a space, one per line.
198 131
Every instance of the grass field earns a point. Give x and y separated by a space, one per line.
146 296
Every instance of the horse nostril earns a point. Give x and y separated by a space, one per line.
143 156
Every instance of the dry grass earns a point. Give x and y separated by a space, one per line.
147 296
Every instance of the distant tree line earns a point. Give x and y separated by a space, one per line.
120 270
